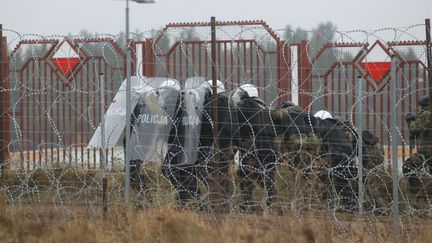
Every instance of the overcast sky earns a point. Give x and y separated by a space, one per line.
48 17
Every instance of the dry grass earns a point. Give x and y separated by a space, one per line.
165 225
63 222
169 225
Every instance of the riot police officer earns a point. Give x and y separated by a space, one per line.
180 161
192 157
257 155
215 163
339 150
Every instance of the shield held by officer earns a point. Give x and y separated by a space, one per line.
195 94
153 119
115 116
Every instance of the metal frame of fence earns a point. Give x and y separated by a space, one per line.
185 58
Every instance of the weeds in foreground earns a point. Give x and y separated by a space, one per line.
170 225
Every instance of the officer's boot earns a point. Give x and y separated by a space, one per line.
138 183
186 184
218 182
409 169
135 168
270 187
246 189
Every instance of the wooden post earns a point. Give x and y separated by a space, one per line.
105 196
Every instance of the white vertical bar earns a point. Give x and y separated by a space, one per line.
294 75
139 60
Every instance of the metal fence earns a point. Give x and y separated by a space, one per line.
51 104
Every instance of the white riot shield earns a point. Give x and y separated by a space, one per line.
154 117
193 111
115 116
194 82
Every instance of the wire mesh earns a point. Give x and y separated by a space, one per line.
272 156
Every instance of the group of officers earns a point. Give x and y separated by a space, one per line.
261 138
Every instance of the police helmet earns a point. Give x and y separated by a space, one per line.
369 138
220 87
250 89
410 117
424 101
323 114
287 104
170 83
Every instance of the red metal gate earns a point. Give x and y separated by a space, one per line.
55 105
247 52
333 84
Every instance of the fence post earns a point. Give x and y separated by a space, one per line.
304 71
102 149
2 90
428 53
149 58
428 57
216 179
360 145
4 101
284 74
128 125
394 146
102 115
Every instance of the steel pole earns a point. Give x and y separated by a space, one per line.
2 90
128 108
102 114
360 142
394 147
103 146
428 55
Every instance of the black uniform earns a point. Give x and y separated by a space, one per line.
257 155
185 177
335 137
182 177
215 165
136 179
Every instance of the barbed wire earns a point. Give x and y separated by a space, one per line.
272 160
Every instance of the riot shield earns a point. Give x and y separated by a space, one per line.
115 116
154 119
191 121
194 82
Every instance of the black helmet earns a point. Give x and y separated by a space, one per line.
369 138
287 104
410 117
424 101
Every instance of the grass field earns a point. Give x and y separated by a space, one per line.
64 205
169 225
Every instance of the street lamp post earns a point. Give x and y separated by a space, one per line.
128 97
